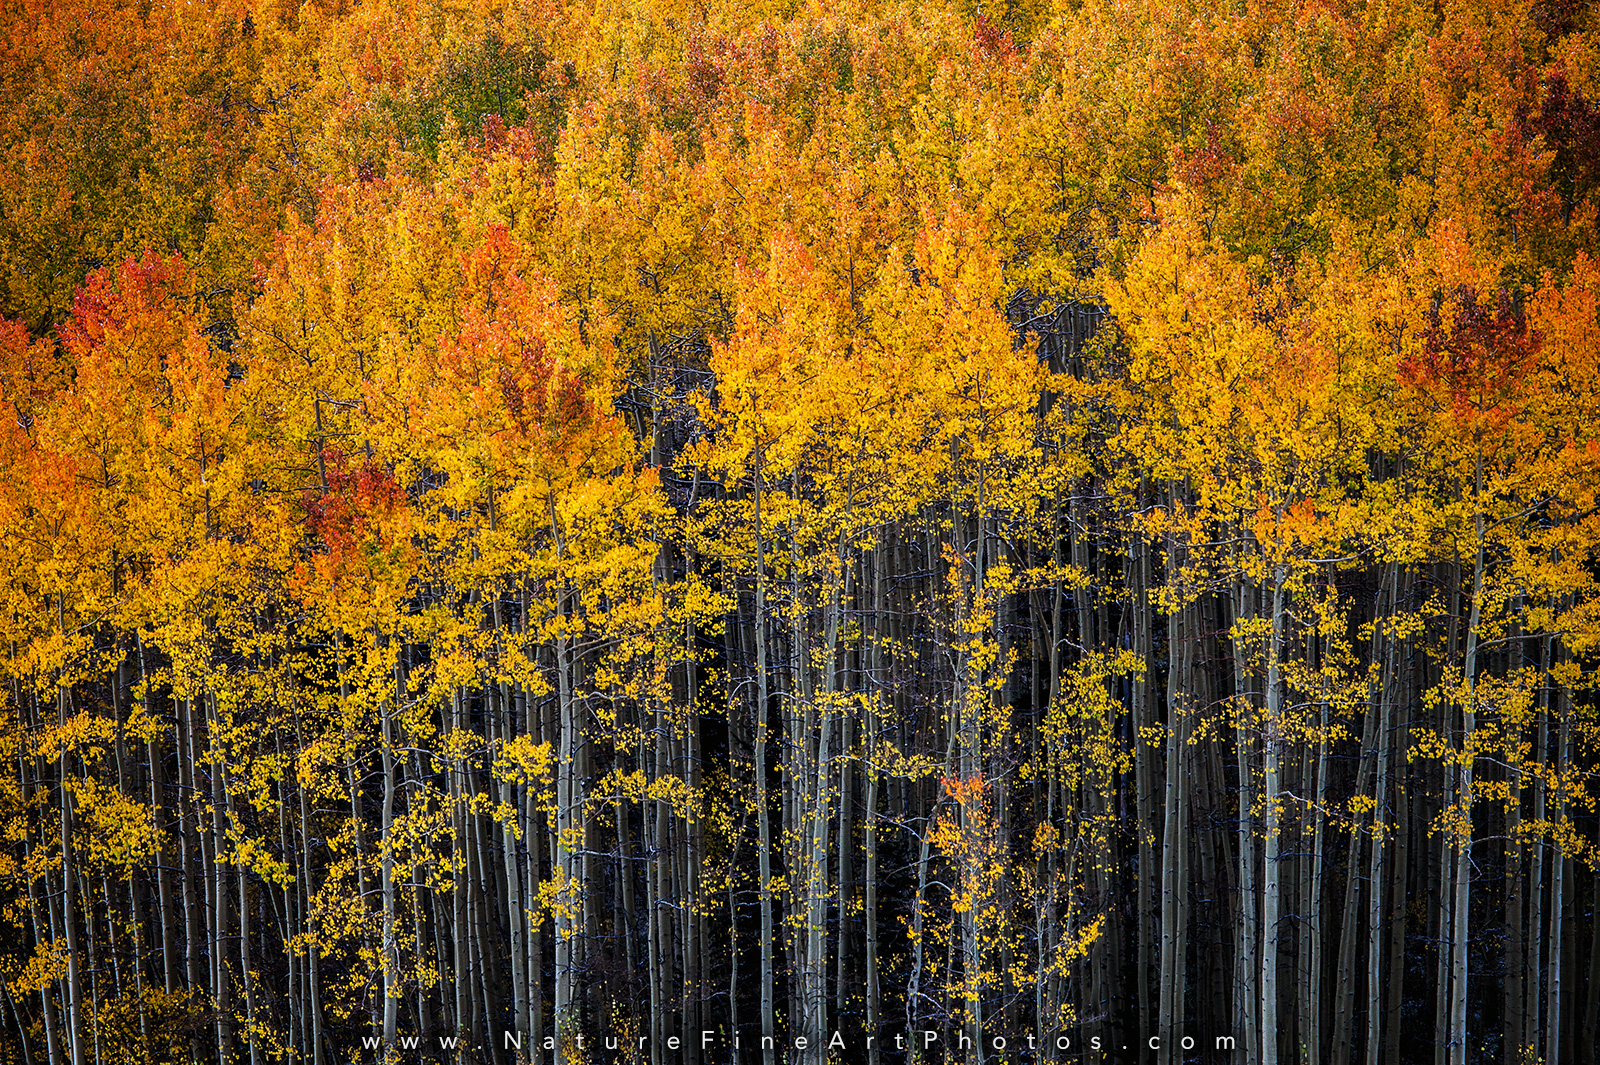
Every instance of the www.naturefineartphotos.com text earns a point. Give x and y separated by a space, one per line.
927 1043
1028 520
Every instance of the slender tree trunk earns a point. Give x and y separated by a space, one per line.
533 832
878 681
459 928
22 1026
1463 870
1558 897
1382 658
42 933
569 800
1446 929
819 884
1247 957
1589 1049
1174 842
1398 906
69 918
1314 909
1514 993
1145 783
660 930
698 971
313 967
1344 1025
763 803
846 834
1272 743
1531 1029
220 894
391 951
513 876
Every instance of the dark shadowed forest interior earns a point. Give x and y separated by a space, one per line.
584 531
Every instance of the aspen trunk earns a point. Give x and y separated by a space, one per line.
1174 844
1463 869
222 988
1558 897
1271 745
1445 855
818 882
566 802
1397 923
1590 1046
1247 958
391 954
1314 910
970 730
533 832
846 836
1344 1024
763 803
697 969
1145 785
1531 1029
22 1026
41 925
69 919
313 975
878 682
514 904
1514 992
461 1008
1382 657
1446 929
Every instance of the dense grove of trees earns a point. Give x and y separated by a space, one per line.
589 519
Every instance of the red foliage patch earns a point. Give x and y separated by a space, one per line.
339 516
1473 359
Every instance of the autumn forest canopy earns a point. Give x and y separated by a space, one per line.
621 527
